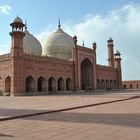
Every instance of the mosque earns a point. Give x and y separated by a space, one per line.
61 65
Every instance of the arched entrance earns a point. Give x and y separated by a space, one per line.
107 84
51 84
102 84
124 86
60 84
111 84
8 84
131 86
86 74
68 84
98 84
41 84
29 84
115 84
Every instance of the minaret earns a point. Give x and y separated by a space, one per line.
75 60
94 46
110 46
17 36
117 61
17 77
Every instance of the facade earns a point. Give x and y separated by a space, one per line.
133 84
60 65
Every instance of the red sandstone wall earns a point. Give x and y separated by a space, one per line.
135 84
5 70
106 73
47 67
107 77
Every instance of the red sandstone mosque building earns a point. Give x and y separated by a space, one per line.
59 65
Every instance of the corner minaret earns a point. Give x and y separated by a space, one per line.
110 46
17 34
117 61
75 60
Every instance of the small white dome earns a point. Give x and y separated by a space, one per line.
18 19
59 44
31 45
117 52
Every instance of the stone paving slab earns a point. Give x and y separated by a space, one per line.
115 121
16 106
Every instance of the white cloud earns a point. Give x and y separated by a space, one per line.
123 25
4 48
5 9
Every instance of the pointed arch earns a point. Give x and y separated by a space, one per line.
131 86
111 84
51 84
115 84
60 85
107 84
8 84
86 74
98 84
102 84
29 84
68 84
41 84
124 86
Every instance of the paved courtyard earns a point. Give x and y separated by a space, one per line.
100 116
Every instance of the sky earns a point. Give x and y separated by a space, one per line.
91 20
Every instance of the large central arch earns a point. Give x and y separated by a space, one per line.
86 74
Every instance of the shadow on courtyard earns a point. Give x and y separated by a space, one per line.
130 120
5 135
16 112
126 119
66 115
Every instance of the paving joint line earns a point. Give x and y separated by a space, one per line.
65 109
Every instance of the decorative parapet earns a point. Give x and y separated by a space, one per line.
106 72
85 48
104 67
5 57
47 59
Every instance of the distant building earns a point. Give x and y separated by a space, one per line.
60 65
133 84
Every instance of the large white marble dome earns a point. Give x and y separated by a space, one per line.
59 44
31 44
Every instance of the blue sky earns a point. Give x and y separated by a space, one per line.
91 20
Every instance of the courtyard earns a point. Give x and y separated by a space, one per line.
106 115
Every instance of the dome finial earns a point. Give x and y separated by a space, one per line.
83 43
59 23
25 25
